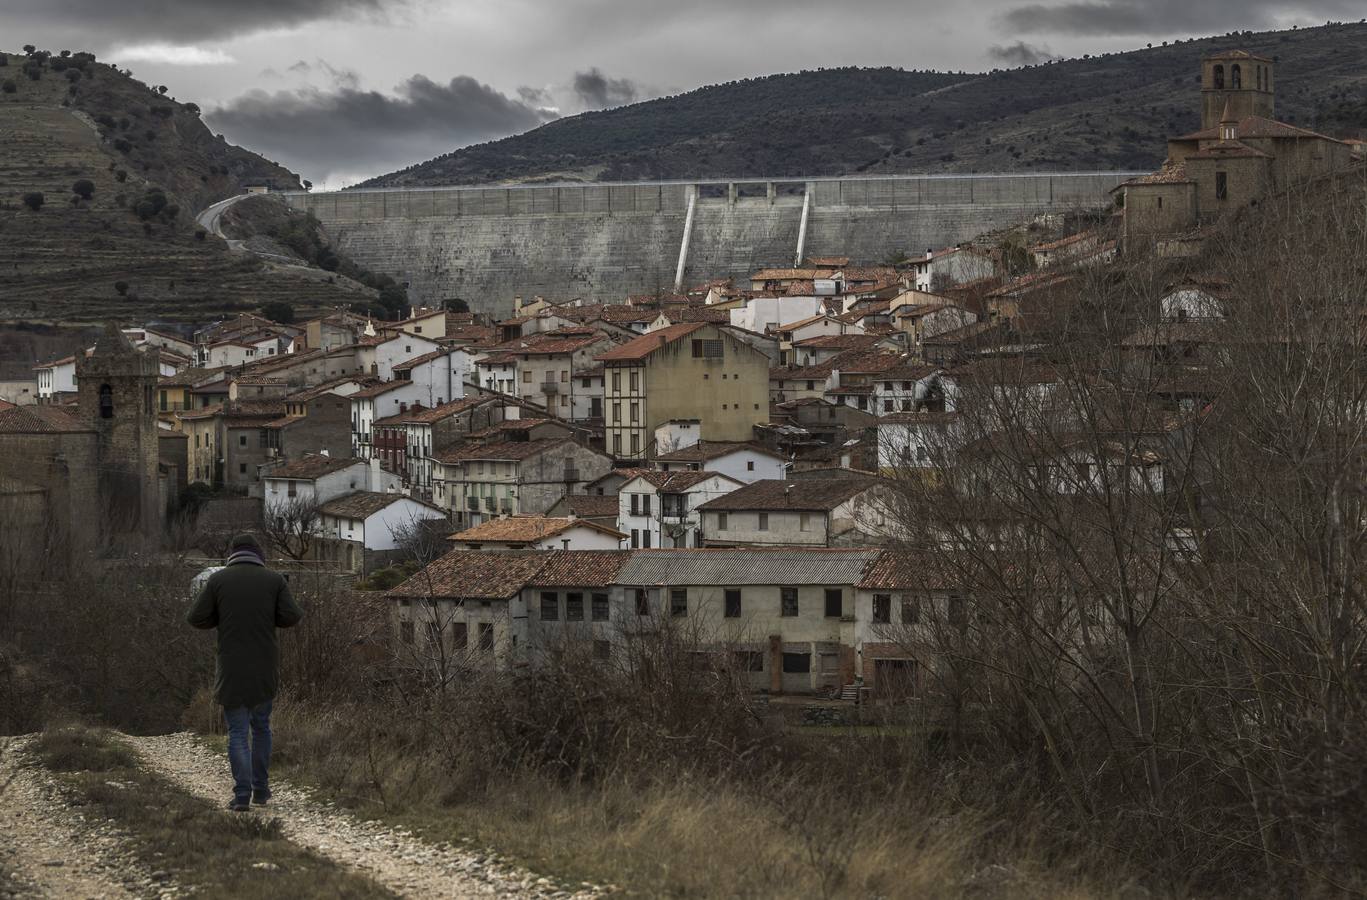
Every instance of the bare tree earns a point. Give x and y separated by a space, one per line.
292 526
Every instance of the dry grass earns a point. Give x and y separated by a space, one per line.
681 833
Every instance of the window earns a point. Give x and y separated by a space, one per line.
602 649
564 375
732 610
616 381
600 607
460 636
804 521
574 607
749 465
585 382
887 406
835 603
241 440
911 609
1221 186
811 385
293 490
486 636
882 609
645 539
406 632
645 504
196 440
635 444
678 602
763 524
635 504
635 378
635 538
617 443
788 602
642 602
749 660
526 376
721 521
242 468
616 413
635 412
956 610
1219 78
550 606
707 349
797 663
106 402
1236 77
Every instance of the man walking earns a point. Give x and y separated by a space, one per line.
246 602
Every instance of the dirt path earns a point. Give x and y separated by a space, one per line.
48 848
393 858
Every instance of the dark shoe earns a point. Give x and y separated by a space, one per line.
237 805
261 798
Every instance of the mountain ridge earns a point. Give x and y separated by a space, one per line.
1106 112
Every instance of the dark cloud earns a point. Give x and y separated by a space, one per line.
597 91
183 20
1164 17
348 131
1019 54
535 97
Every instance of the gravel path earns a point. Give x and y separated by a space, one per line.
47 846
391 857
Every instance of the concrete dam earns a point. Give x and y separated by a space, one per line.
487 244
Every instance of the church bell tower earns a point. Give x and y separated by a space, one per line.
1239 81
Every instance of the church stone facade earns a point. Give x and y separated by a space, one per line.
1240 155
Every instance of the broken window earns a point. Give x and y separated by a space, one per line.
600 607
678 602
788 601
797 663
882 609
642 602
732 603
835 603
911 609
749 660
486 636
574 607
459 636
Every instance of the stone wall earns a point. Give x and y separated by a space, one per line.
604 241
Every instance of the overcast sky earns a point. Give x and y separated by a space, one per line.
342 89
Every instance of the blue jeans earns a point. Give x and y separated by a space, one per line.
250 762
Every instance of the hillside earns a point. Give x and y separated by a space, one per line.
1108 112
130 249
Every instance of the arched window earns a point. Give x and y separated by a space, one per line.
1235 77
106 402
1219 78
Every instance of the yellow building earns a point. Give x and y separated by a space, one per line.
690 371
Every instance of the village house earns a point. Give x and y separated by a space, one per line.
379 401
442 373
692 371
404 442
838 508
365 530
940 269
532 532
601 509
477 482
744 462
918 440
660 509
315 479
379 354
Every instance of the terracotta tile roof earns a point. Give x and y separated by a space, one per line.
474 574
312 466
596 506
502 450
581 568
646 344
1257 127
527 529
737 566
424 358
839 342
377 390
417 414
670 482
815 494
360 505
1169 173
42 419
805 274
1036 281
704 451
832 262
470 334
1063 241
903 570
1228 150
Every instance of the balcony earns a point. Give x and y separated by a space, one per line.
550 388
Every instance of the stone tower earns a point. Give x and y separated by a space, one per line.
1239 81
116 390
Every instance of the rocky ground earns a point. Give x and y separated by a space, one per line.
50 848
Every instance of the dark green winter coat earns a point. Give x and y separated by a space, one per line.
246 602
